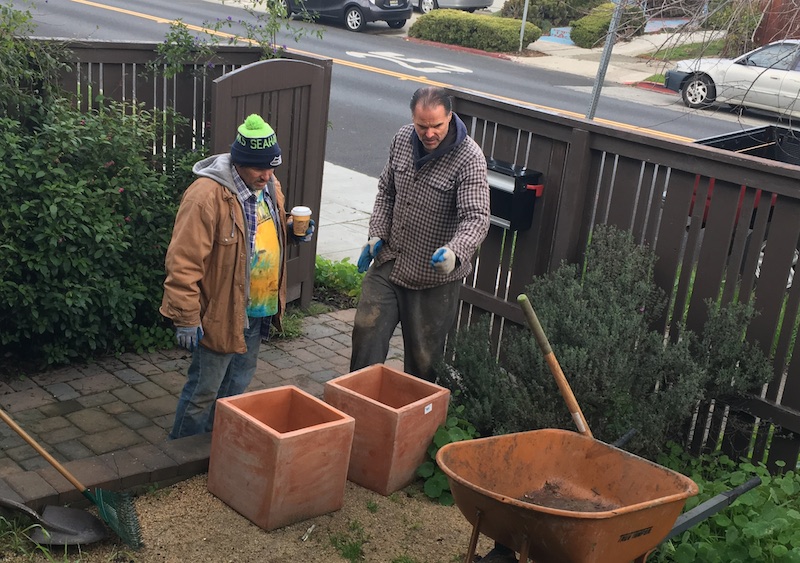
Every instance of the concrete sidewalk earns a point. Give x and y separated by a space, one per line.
625 66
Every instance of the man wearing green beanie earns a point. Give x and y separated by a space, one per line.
226 270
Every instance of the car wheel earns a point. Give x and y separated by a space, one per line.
698 91
426 6
792 267
354 19
396 24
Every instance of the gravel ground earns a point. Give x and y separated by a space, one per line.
186 523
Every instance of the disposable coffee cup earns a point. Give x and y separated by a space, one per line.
301 215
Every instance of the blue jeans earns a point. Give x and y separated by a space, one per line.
213 376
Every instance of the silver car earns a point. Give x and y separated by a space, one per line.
426 6
766 78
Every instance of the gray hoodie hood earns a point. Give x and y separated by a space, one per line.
217 168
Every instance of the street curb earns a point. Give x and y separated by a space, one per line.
459 48
653 87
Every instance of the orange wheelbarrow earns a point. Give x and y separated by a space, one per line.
555 496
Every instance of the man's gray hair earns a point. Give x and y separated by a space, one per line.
430 97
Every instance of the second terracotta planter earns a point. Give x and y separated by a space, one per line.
279 456
396 417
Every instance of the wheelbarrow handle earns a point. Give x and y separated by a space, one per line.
555 368
710 507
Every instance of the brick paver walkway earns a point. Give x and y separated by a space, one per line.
107 422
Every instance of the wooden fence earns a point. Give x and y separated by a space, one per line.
595 173
213 98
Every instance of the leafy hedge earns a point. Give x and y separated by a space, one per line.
86 212
591 30
476 31
85 222
546 14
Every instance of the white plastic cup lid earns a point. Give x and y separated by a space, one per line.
301 210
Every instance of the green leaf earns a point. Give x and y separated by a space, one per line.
433 488
446 499
426 469
685 553
780 550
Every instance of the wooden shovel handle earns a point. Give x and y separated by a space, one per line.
42 452
555 368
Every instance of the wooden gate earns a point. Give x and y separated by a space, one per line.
292 96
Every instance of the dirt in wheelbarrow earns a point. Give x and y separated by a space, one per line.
560 495
185 522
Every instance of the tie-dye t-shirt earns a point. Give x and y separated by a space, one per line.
266 265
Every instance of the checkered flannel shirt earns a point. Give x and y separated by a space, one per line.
444 203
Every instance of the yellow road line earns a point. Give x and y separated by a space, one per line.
390 73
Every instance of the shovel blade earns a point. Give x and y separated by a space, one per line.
68 526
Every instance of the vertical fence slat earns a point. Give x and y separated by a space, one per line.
711 260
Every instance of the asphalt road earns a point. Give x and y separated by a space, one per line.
376 71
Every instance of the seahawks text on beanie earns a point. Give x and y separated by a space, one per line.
256 145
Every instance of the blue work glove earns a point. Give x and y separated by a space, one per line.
189 336
369 252
312 226
443 260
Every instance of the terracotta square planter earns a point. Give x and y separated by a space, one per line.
279 456
396 416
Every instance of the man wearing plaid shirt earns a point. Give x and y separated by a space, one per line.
430 215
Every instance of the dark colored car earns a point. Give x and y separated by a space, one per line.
354 13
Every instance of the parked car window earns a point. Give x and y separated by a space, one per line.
778 57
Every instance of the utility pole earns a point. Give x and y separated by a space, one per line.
522 27
605 58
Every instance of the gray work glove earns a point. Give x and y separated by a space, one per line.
443 260
189 336
369 252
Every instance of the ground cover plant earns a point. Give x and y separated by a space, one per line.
761 525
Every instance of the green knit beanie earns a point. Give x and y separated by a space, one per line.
256 145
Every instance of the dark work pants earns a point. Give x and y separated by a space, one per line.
425 315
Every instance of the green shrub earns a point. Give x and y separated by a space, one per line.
85 224
623 374
29 69
546 14
487 33
591 30
337 283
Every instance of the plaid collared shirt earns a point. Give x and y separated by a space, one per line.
249 201
250 204
444 203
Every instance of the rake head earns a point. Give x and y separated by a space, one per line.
118 511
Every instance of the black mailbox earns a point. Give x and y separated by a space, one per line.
513 192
